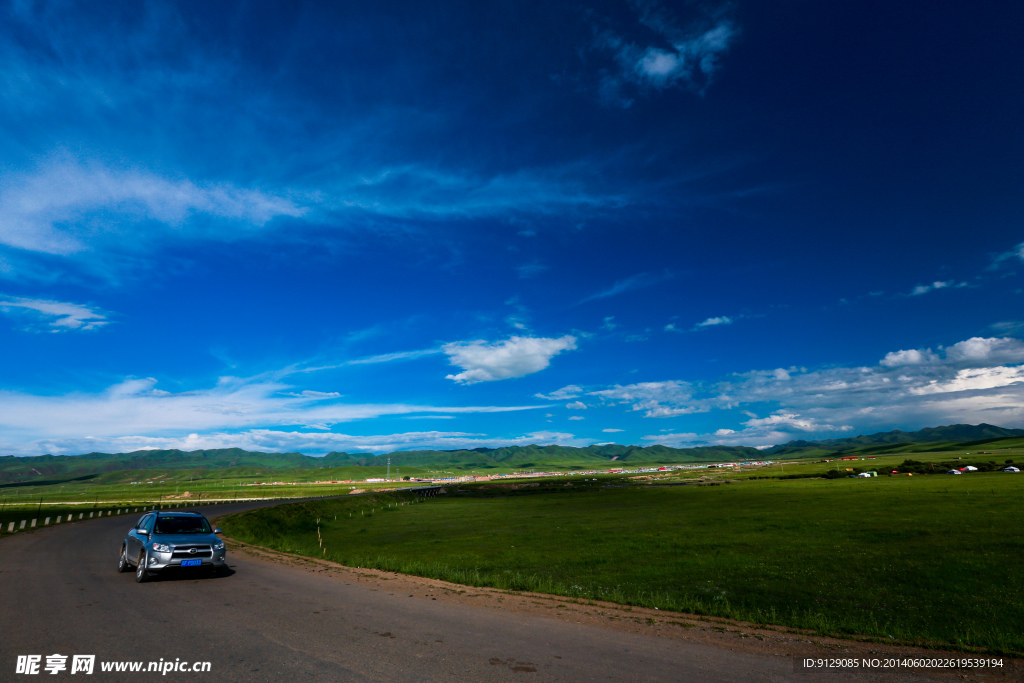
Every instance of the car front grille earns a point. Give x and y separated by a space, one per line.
184 552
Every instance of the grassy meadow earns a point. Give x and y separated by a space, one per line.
931 559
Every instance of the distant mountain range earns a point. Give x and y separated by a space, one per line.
55 467
64 467
948 434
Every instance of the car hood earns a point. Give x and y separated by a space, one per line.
186 539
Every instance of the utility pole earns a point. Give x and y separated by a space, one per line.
389 469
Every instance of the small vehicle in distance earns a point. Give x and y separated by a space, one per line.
180 541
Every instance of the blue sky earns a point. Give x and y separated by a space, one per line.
370 227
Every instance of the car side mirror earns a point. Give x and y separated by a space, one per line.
218 530
143 532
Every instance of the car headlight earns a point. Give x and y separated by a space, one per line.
161 548
218 546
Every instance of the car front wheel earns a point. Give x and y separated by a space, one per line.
122 561
141 575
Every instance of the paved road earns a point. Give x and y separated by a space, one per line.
270 621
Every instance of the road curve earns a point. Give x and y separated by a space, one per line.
274 621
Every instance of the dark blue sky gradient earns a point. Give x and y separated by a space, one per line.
663 205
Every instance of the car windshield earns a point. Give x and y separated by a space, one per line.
182 525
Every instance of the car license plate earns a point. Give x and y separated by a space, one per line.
191 563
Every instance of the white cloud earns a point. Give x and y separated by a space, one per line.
713 322
658 399
576 405
759 433
685 58
567 392
676 440
577 417
514 357
611 430
908 357
793 421
59 316
938 284
68 206
976 351
609 323
986 351
272 440
313 394
973 379
136 407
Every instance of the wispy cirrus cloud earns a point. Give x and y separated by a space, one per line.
54 316
1008 327
70 206
530 270
421 191
1015 255
123 189
633 282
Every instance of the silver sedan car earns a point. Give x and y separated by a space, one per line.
164 541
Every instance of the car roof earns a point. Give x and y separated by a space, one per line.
177 514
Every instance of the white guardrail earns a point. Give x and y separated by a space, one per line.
30 523
12 527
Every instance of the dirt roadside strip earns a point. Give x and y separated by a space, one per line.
715 632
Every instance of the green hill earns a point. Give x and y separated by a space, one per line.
340 465
951 434
61 467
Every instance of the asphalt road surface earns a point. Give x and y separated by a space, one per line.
60 593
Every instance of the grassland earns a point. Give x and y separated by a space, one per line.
924 559
160 488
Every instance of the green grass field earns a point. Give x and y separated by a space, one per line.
173 486
932 559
